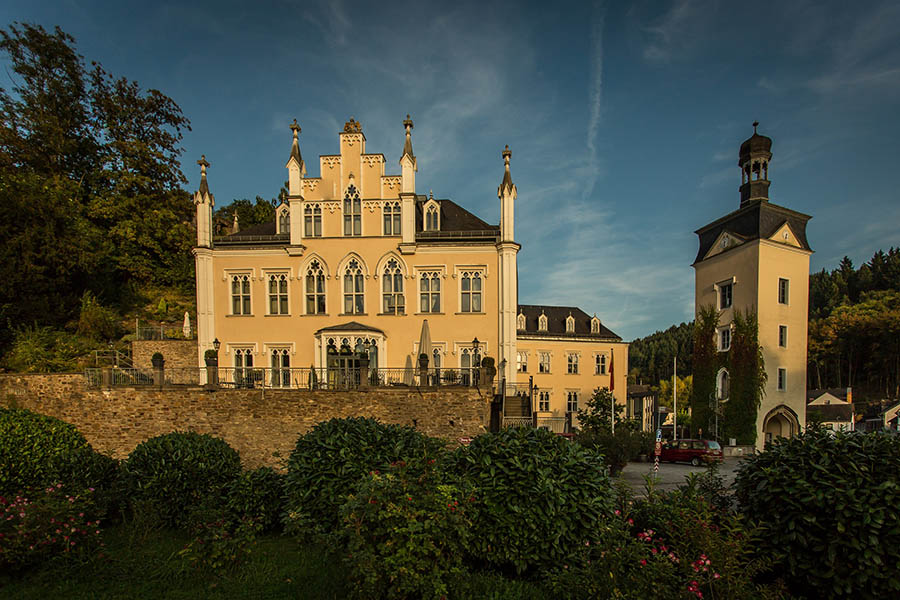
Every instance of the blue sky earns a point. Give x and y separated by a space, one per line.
624 119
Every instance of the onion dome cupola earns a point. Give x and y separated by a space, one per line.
755 155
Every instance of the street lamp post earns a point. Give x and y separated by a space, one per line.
476 361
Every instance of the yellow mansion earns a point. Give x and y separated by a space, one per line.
359 271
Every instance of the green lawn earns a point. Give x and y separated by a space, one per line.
145 564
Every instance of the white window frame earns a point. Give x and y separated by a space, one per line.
393 302
723 343
246 298
353 216
521 362
542 322
572 360
723 384
570 324
544 400
391 225
720 288
784 291
431 216
320 271
286 277
474 274
542 364
312 220
284 220
239 353
520 322
279 375
595 325
432 273
358 275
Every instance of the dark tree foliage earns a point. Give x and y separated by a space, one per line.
248 213
854 329
706 362
90 196
747 374
650 358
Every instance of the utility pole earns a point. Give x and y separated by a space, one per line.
675 396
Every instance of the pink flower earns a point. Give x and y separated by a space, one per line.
643 562
716 576
618 512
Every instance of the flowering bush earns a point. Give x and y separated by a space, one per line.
177 472
221 546
334 456
405 533
539 497
47 523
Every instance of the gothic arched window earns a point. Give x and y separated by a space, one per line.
431 219
391 218
312 220
392 288
353 289
284 222
315 289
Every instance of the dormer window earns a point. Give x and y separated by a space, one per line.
570 324
520 322
595 325
432 218
542 322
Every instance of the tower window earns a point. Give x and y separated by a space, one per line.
725 339
725 295
782 379
782 336
783 291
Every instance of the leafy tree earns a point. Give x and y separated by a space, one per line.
249 213
747 376
707 363
685 391
90 195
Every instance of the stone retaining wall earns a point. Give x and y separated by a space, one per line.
177 353
263 425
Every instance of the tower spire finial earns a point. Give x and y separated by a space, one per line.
755 125
295 127
204 164
507 178
295 145
407 145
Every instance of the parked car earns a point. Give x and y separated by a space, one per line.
692 451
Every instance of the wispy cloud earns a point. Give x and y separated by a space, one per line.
675 33
596 97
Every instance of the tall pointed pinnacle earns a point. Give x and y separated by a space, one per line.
507 182
407 146
295 147
204 164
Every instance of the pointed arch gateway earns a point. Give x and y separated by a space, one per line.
781 421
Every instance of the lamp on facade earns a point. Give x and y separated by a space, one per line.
477 359
217 344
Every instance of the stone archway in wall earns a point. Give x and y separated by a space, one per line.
781 421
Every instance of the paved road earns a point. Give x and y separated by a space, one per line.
672 475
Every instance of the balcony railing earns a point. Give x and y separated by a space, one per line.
284 378
554 424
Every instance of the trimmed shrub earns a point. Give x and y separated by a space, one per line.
828 508
335 455
257 495
405 534
178 472
538 497
37 451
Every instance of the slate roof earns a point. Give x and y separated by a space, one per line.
840 393
453 217
759 219
556 322
351 326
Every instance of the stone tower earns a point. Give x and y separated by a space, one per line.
756 258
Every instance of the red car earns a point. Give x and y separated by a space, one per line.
692 451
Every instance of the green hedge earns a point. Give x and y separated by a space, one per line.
179 472
335 455
829 508
538 497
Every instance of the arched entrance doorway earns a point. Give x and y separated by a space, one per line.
780 422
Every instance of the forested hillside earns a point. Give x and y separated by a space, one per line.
650 358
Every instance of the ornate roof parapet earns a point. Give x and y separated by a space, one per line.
352 126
